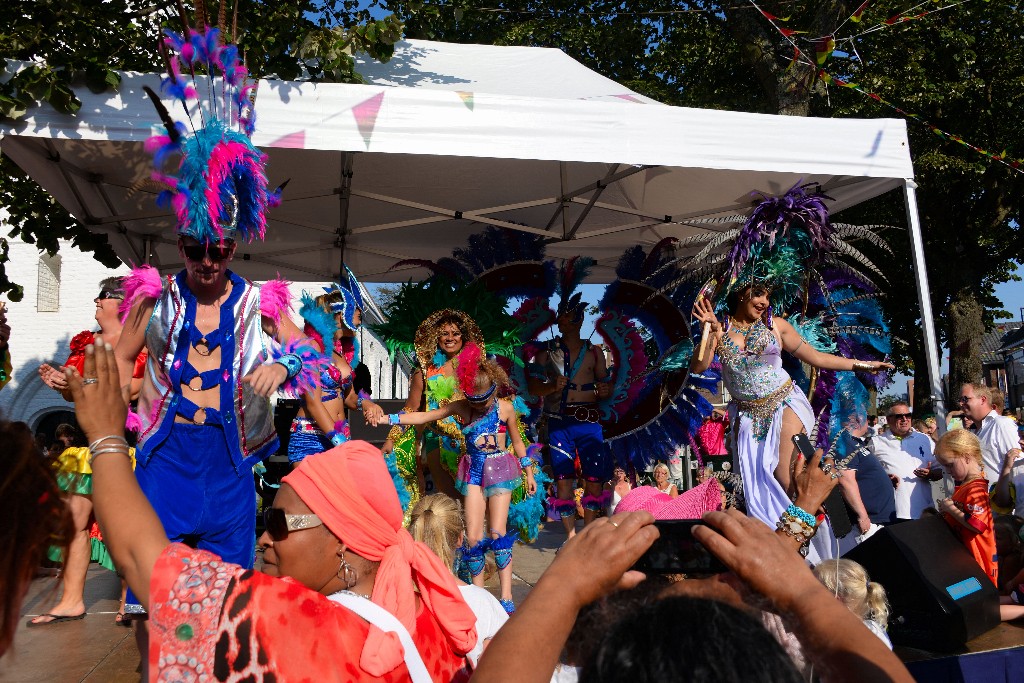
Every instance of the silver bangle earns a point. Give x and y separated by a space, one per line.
111 449
116 437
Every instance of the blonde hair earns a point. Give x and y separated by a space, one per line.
961 444
661 466
981 391
851 583
437 521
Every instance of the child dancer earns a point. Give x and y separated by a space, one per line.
489 470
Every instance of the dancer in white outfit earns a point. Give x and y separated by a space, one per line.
768 409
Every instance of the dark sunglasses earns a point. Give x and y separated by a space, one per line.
107 294
279 523
900 416
197 252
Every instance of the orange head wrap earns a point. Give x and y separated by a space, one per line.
332 485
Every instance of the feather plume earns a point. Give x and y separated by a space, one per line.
275 299
467 366
313 364
144 282
318 319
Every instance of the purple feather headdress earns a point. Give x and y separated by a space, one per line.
219 188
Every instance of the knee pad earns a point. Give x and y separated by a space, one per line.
564 507
502 548
473 557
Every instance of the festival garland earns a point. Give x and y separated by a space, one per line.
1016 165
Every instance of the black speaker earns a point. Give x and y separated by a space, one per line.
940 597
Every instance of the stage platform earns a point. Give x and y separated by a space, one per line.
994 657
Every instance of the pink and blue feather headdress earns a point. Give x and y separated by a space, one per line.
219 188
351 299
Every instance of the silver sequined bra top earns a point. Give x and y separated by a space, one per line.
756 371
754 376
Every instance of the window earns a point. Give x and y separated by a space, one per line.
48 284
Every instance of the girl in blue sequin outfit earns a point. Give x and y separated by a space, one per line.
768 408
493 463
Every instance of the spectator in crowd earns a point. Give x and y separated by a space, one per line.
1010 549
437 521
661 481
997 434
868 491
968 511
850 582
906 455
35 517
872 425
619 487
345 585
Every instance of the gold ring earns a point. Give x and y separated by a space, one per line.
614 524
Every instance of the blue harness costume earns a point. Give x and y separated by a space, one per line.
487 463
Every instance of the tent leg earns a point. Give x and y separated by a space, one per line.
931 351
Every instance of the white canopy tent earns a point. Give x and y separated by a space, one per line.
447 138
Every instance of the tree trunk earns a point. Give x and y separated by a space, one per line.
964 331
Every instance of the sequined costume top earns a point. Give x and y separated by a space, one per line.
754 375
485 435
333 384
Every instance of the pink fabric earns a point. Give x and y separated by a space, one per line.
331 484
144 282
275 299
690 504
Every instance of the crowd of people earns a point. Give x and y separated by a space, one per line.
365 577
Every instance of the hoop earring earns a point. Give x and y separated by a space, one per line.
347 574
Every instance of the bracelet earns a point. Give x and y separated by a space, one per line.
396 418
801 514
109 449
859 365
336 437
292 364
116 437
795 527
526 461
361 396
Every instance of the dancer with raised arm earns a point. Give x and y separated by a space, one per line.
782 261
492 465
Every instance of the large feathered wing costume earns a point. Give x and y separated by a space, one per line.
820 281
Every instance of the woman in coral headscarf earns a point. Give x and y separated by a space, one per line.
347 594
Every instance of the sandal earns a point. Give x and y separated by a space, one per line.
122 619
55 619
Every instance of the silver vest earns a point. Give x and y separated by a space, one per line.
248 421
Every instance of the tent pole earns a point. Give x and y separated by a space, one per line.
344 197
931 351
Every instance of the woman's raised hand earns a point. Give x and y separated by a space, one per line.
704 312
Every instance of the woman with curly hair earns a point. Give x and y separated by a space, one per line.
492 463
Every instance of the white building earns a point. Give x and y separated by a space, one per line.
58 304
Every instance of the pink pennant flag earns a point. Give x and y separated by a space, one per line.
291 141
366 116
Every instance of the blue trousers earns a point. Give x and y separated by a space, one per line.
199 497
568 438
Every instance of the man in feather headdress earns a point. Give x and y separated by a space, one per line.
204 412
571 375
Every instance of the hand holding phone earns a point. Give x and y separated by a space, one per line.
676 551
835 504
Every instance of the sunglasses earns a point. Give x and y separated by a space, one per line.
279 523
197 252
901 416
965 399
107 294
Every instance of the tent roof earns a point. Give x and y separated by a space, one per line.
447 139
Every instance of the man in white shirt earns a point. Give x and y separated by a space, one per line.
906 455
998 434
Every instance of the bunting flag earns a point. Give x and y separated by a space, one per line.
467 98
366 116
855 17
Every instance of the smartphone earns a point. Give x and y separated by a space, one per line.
835 505
677 552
